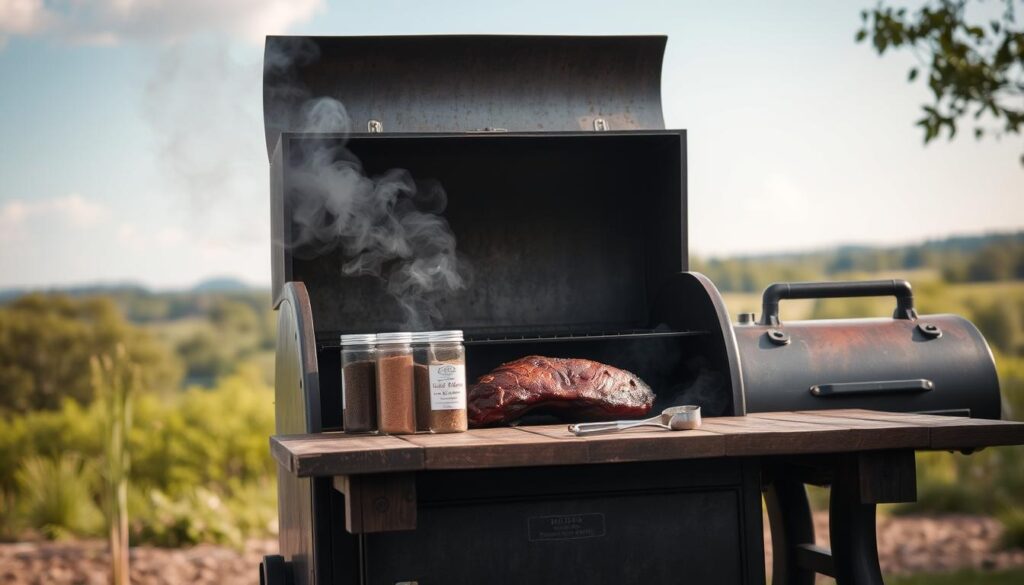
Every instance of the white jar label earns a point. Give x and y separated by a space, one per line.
447 387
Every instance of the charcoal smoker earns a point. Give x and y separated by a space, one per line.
568 197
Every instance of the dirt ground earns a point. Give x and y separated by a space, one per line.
931 544
84 562
906 545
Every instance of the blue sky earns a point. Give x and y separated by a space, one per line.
132 144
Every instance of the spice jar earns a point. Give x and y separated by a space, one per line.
396 397
358 383
441 382
420 346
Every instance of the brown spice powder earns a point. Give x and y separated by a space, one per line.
396 408
439 421
360 387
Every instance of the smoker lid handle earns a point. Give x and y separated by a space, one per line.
898 288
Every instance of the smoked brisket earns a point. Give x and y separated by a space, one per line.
574 390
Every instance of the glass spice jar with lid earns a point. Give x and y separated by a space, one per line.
396 397
420 346
358 383
441 382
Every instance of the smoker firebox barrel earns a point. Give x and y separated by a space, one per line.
908 363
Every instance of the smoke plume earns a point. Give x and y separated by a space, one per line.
387 226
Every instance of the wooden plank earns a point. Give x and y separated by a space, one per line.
639 444
910 419
378 502
832 420
752 437
328 454
975 433
780 433
887 477
946 432
497 447
856 434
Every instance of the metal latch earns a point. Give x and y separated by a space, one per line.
374 127
601 125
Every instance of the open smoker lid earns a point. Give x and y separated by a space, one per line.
465 83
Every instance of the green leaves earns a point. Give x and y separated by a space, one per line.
969 66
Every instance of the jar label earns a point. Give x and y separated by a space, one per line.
447 387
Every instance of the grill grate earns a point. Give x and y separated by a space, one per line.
579 336
330 339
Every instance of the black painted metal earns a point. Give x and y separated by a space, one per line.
644 523
789 516
465 83
586 226
274 570
852 529
830 290
883 364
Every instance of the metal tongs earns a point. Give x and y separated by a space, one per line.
676 418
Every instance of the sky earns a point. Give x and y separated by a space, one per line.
132 146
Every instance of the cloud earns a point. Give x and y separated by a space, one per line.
71 210
22 17
114 21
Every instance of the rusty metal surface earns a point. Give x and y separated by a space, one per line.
959 363
465 83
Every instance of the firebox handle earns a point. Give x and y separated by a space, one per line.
898 288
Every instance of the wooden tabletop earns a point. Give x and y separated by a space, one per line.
774 433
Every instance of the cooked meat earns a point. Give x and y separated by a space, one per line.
572 389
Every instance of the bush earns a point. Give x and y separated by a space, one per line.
1013 528
46 343
195 450
205 437
58 496
203 515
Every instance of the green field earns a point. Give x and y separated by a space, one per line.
931 296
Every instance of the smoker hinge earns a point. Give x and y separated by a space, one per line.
601 125
374 127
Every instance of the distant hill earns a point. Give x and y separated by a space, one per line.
980 258
985 257
222 284
87 290
143 305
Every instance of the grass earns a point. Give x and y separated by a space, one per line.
1011 577
967 577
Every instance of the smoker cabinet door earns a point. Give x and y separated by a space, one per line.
652 534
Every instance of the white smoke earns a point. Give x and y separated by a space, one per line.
386 226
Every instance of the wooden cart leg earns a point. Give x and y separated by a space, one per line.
860 482
789 516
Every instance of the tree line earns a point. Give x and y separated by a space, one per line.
964 259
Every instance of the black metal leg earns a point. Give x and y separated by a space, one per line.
852 530
789 516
